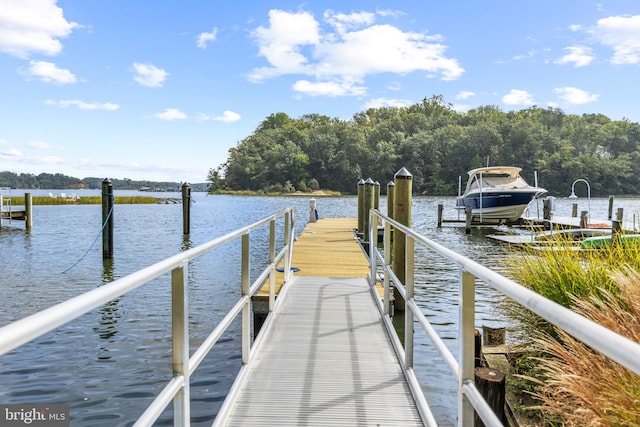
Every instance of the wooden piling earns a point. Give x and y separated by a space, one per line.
440 209
468 215
107 219
368 201
313 212
376 195
619 214
186 209
402 214
491 384
583 219
27 211
391 187
574 210
610 208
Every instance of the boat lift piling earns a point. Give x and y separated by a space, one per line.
107 219
18 214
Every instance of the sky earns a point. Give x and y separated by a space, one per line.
161 90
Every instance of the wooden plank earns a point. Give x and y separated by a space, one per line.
326 248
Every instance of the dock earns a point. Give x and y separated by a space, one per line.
326 359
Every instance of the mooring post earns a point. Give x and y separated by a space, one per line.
619 214
107 219
361 207
467 223
27 211
369 190
391 187
440 208
313 212
574 210
402 214
376 195
186 209
584 220
610 208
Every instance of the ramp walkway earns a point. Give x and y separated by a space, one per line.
326 361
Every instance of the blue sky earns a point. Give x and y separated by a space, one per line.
160 90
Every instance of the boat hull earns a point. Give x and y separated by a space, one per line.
499 206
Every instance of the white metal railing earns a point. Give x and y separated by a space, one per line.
611 344
24 330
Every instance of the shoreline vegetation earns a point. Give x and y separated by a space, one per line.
145 200
562 381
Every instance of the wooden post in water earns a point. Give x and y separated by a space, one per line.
107 219
491 384
584 219
186 209
313 212
619 214
361 207
440 208
574 210
467 224
368 200
391 187
402 214
376 195
27 211
610 208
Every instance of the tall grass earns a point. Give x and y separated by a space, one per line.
574 384
581 386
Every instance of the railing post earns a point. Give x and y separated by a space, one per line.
272 258
180 338
373 240
387 262
467 346
246 309
361 209
288 240
409 289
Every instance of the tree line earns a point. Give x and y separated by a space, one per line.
60 181
437 144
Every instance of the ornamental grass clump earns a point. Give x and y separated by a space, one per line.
573 384
582 387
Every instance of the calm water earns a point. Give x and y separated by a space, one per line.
110 363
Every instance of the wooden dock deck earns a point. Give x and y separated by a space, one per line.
326 359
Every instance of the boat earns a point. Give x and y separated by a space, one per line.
497 194
599 242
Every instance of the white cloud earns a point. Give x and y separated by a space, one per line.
65 103
343 22
386 102
518 97
330 88
227 116
572 95
204 38
575 27
12 154
149 75
345 54
170 114
578 55
38 145
395 86
32 26
465 94
622 34
48 72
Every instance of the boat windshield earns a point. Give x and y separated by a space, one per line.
497 180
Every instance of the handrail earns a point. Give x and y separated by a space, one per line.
31 327
615 346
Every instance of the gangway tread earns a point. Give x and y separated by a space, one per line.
326 360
